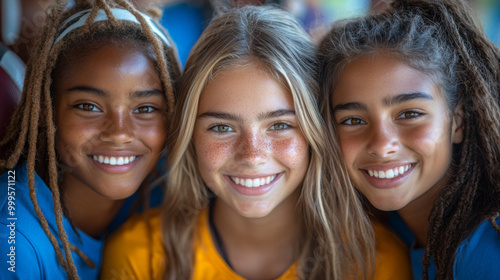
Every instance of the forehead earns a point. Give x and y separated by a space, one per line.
379 76
242 88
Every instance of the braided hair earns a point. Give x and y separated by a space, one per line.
441 38
30 136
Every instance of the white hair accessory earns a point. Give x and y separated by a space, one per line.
78 20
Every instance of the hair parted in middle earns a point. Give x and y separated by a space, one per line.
31 135
443 39
338 236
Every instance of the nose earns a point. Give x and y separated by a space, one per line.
252 149
384 140
117 129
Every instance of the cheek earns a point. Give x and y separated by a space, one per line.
350 148
73 137
212 155
429 141
154 136
292 151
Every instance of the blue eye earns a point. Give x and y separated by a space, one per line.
89 107
409 115
352 121
279 126
145 110
222 128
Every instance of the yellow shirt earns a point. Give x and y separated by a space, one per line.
136 252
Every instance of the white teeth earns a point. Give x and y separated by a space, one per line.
248 183
389 174
253 183
114 160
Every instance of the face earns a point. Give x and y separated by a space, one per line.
111 125
395 130
250 150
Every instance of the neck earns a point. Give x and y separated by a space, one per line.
260 248
88 210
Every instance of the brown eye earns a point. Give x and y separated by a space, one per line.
88 107
409 115
144 110
353 121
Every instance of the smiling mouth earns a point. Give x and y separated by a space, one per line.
390 173
253 183
113 160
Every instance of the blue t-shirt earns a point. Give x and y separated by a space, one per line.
25 249
477 257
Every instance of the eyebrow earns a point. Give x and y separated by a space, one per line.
135 94
146 93
405 97
387 102
276 114
88 90
260 117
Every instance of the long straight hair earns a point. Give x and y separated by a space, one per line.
338 236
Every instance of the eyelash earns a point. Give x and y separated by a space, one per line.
418 114
350 119
217 127
82 106
286 126
151 109
361 122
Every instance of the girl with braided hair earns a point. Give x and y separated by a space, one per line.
413 94
90 128
250 193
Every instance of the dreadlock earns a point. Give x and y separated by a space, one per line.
30 137
443 39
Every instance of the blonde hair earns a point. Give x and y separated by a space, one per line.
338 236
31 138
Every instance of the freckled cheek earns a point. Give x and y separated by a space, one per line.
292 151
213 155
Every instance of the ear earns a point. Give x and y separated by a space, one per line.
457 126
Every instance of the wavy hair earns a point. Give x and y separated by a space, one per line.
444 40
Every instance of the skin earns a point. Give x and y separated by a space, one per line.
109 104
389 115
247 128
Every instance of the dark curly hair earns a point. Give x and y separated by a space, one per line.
443 39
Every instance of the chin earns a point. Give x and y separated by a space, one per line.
387 204
254 212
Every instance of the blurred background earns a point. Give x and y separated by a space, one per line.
186 19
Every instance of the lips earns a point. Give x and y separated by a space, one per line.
255 182
110 160
389 173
